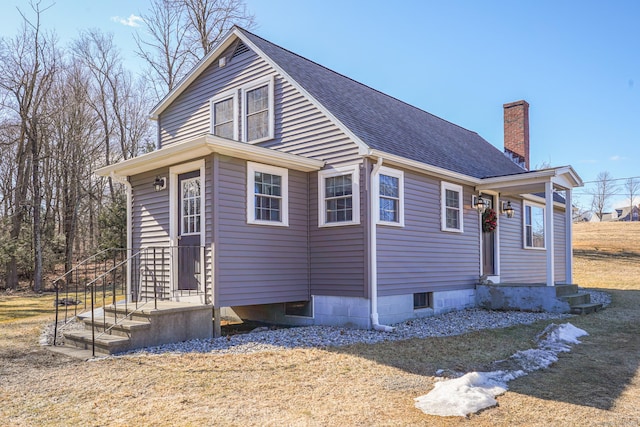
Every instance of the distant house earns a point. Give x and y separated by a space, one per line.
291 193
628 213
606 216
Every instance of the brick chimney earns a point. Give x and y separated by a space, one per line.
516 132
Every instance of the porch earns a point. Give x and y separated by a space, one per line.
118 329
536 297
119 300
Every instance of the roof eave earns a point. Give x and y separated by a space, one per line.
202 146
424 167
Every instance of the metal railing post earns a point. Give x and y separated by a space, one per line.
155 285
55 324
93 326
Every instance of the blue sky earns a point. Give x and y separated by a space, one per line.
577 63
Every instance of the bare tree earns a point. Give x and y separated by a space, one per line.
75 125
27 67
604 189
163 47
632 188
181 32
117 99
208 21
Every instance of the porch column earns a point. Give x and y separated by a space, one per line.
568 244
548 232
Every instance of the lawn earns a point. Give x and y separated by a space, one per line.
597 383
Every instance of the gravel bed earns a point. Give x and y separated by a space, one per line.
452 323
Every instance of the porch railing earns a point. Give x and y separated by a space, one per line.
131 282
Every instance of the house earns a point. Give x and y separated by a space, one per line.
289 193
628 213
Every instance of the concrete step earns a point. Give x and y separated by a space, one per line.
577 298
124 327
562 290
585 308
105 344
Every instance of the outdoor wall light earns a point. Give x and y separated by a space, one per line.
160 183
507 209
479 203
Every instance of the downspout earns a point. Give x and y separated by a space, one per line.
124 181
373 253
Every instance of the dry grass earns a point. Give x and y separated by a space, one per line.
598 383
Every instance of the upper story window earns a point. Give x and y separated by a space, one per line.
390 197
258 111
267 195
452 208
533 226
339 196
224 121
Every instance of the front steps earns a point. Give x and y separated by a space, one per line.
536 297
579 301
146 327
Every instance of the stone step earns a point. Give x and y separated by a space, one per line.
105 344
124 327
585 308
562 290
577 298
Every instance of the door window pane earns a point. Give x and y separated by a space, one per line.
190 206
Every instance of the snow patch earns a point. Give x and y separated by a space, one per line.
475 391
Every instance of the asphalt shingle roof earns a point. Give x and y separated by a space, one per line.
387 124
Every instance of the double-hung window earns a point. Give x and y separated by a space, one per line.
267 195
533 226
452 207
390 197
338 196
257 111
224 121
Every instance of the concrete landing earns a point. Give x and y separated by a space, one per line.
520 297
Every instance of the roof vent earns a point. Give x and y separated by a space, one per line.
240 49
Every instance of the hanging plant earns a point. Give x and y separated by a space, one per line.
489 220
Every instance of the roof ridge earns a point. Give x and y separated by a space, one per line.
355 81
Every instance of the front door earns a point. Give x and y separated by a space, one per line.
189 228
488 244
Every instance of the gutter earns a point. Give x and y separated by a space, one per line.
373 254
124 181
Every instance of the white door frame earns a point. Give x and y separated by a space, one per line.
174 171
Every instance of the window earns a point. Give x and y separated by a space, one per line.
452 208
224 121
190 200
339 196
257 111
533 226
267 195
422 300
390 197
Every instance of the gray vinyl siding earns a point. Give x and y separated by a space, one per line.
259 264
150 218
520 265
151 227
338 254
300 127
420 257
150 223
560 245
